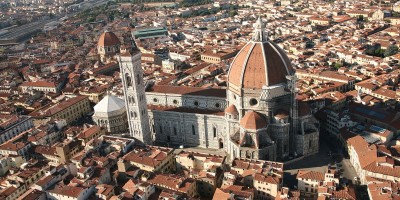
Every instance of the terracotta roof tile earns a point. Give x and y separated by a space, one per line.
313 175
232 110
108 39
183 90
252 120
259 64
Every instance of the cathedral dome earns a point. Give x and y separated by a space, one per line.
260 62
108 39
253 121
109 104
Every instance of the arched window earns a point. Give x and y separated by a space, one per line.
128 80
138 79
215 131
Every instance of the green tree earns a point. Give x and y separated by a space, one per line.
233 13
338 65
391 50
90 19
111 17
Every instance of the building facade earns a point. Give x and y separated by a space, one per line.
256 117
110 113
71 110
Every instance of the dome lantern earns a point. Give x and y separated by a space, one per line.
259 34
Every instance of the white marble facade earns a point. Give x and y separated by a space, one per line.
258 122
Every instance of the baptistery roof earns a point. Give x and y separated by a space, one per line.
109 104
260 62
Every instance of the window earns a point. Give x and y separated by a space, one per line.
196 103
161 129
214 131
132 100
309 144
175 101
138 79
175 131
253 102
155 100
217 105
193 130
128 80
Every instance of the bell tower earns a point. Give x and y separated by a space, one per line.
134 95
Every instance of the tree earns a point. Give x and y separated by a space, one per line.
391 50
232 13
90 19
360 18
338 65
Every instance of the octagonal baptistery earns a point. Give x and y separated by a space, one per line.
110 112
259 71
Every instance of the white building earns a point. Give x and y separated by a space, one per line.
14 126
110 113
256 117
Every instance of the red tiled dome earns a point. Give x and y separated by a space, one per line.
108 39
252 120
260 62
232 110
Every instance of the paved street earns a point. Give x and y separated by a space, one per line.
349 171
318 162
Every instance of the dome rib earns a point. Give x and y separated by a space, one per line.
246 61
238 60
